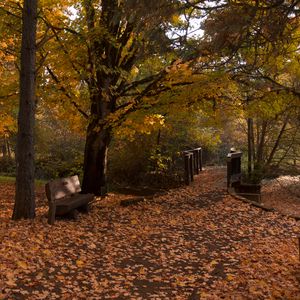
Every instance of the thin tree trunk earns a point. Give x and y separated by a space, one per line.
250 136
276 144
158 137
253 142
25 196
4 150
261 145
8 148
257 139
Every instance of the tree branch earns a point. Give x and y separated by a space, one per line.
66 93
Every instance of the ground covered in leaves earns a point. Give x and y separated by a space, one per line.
195 242
283 194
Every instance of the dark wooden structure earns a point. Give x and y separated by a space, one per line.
234 178
188 167
64 197
234 170
192 164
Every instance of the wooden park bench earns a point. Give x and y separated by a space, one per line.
64 198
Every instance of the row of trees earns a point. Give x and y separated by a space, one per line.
109 65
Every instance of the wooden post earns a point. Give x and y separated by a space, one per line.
198 159
52 211
191 158
228 171
233 167
186 168
299 246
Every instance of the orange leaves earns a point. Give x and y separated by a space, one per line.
22 264
140 124
79 263
194 240
7 124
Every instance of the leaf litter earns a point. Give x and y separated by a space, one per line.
195 242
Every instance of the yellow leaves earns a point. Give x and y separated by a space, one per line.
10 58
79 263
213 263
230 277
7 124
3 45
140 124
134 222
97 129
175 19
152 120
47 252
134 71
22 264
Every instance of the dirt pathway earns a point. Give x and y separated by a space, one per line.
192 243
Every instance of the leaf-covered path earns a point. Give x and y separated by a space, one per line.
192 243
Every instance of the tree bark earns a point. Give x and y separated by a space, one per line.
95 160
4 150
276 144
261 145
25 195
8 148
250 136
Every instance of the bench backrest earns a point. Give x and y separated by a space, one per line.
60 188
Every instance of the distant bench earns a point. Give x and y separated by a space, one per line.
64 197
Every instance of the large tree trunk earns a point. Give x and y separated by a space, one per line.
25 196
95 160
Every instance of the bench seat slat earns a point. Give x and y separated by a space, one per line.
68 204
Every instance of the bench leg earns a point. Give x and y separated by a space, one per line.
84 208
74 214
51 214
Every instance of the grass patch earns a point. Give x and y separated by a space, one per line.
10 179
7 179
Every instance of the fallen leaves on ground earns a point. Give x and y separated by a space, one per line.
283 194
195 242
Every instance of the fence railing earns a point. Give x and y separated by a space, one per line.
193 164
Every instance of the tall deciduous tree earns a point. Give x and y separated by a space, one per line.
117 36
25 195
